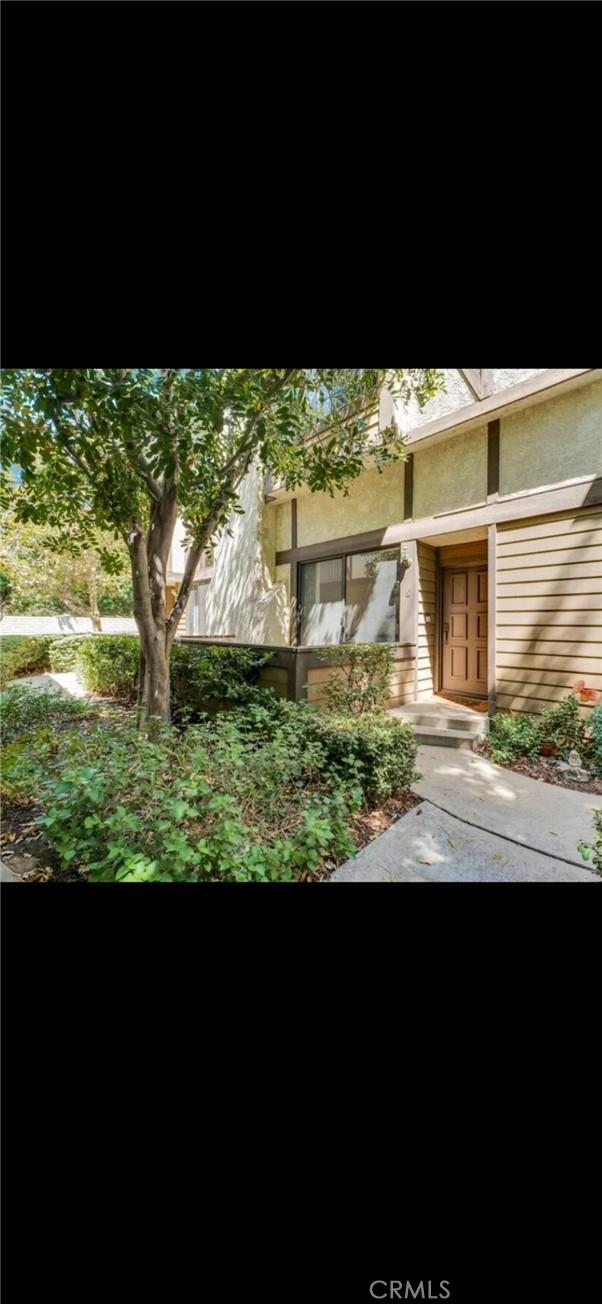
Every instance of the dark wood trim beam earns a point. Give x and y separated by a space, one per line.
408 488
440 573
294 524
333 547
294 632
480 382
493 460
491 617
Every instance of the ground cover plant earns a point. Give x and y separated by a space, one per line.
522 735
518 741
261 793
24 709
592 852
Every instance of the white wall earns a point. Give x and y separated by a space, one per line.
31 625
177 556
456 395
243 602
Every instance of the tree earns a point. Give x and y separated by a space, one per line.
5 590
129 450
47 579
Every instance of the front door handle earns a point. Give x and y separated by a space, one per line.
446 631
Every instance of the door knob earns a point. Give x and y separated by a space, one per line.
446 631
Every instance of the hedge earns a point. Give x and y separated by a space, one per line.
22 656
202 678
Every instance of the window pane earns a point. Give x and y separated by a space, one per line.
372 596
322 602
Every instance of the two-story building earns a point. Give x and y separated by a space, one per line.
479 558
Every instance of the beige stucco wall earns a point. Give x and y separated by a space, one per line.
373 502
451 475
282 514
456 394
269 535
554 441
283 576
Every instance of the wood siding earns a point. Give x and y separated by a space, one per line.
427 622
549 609
401 683
276 678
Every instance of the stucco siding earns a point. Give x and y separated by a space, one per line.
548 609
553 441
503 379
270 540
374 501
455 395
282 515
451 475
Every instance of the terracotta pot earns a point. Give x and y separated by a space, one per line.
548 747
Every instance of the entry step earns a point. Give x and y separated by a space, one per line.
444 728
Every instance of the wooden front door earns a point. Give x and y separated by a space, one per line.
465 631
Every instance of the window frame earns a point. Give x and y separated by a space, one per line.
344 556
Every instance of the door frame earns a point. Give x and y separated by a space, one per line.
441 569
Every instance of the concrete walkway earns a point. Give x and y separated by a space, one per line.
480 823
67 680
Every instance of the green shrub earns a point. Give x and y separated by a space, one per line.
514 736
596 729
202 678
209 678
23 708
63 651
376 751
20 655
373 756
564 726
592 852
109 664
360 682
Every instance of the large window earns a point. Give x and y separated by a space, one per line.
352 599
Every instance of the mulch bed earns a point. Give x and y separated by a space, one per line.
365 826
544 770
26 852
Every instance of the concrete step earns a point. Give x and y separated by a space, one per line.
435 720
447 729
439 736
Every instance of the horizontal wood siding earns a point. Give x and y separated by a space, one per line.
549 609
276 678
427 621
401 683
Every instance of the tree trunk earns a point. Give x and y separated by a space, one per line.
93 596
149 559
